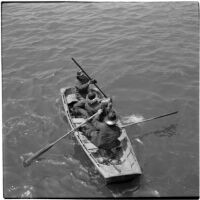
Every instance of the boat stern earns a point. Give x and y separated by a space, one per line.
122 178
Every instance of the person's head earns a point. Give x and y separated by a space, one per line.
111 118
82 77
92 97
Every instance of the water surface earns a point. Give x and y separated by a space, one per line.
144 55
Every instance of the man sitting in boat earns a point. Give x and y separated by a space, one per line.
83 83
105 134
89 106
92 103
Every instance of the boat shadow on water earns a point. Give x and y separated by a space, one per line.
167 131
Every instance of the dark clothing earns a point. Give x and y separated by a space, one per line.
106 108
79 108
92 108
82 88
86 109
105 136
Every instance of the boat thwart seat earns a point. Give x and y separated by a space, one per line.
78 120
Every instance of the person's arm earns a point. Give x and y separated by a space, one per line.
80 104
82 86
96 118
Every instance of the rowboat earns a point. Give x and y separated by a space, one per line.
126 169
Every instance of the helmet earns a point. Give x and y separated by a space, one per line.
111 118
92 97
71 98
79 73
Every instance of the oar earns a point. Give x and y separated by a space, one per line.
88 77
28 161
123 126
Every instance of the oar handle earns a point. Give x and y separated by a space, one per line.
27 162
89 77
123 126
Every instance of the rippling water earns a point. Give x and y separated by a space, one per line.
145 55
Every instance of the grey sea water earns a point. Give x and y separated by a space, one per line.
144 55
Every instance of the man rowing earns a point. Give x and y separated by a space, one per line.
104 134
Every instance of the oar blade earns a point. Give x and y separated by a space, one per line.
166 115
146 120
28 161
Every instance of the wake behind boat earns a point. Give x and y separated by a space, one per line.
127 166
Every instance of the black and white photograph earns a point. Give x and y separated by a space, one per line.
100 99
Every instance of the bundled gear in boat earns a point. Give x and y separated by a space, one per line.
82 86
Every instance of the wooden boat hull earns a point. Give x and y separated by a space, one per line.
125 170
